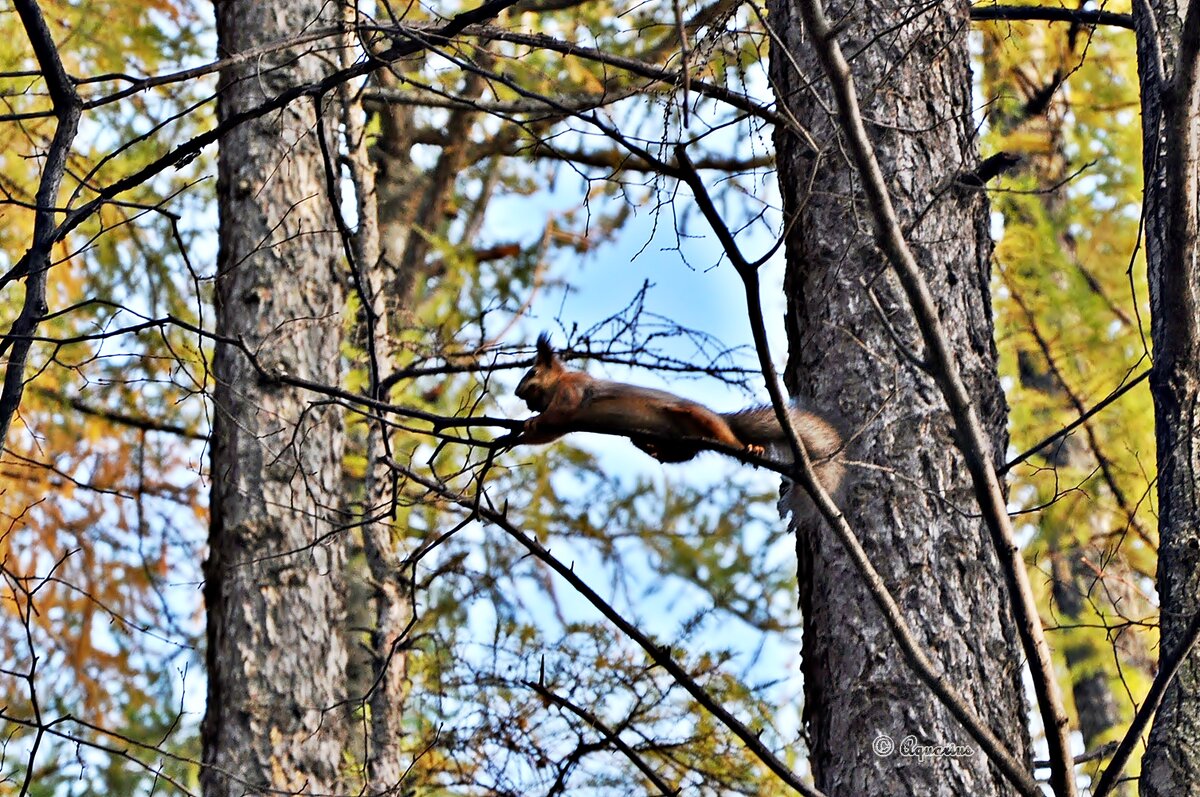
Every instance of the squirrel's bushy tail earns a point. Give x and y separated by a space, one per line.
821 439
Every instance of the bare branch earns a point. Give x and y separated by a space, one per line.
608 733
1168 668
1081 410
67 109
1066 430
633 66
614 159
1076 16
141 84
659 654
122 418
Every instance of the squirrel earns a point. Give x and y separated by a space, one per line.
571 401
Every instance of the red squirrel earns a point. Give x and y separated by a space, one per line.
571 401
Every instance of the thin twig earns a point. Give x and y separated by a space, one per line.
1168 667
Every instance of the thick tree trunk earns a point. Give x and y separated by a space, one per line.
914 511
274 577
1167 48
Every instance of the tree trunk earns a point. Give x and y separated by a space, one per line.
382 683
399 208
914 512
274 577
1171 160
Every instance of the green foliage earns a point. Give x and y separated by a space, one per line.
99 515
1071 308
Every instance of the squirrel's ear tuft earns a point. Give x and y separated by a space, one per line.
544 351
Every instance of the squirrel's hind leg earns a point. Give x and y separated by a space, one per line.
703 422
667 452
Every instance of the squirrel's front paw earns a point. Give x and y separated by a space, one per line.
756 450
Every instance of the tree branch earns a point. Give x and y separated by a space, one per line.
636 67
1073 425
67 109
659 654
1168 667
614 159
124 419
608 733
1093 440
1077 16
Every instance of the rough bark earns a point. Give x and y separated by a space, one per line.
274 576
911 65
1168 34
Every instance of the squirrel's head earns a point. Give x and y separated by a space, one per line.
538 383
